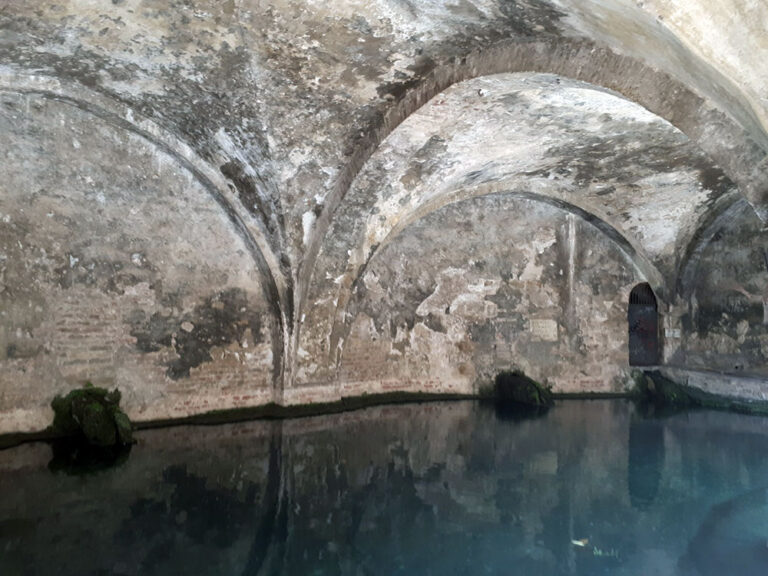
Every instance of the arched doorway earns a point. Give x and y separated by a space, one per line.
643 319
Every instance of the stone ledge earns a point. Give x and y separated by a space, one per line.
262 412
711 389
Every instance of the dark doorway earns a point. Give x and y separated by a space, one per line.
643 316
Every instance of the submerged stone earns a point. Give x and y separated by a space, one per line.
517 388
657 396
664 396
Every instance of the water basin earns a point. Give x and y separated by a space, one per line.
589 488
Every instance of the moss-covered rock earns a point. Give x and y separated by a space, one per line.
513 386
94 414
98 425
662 391
124 428
64 423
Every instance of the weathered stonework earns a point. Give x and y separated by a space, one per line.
103 277
207 203
545 293
599 156
723 316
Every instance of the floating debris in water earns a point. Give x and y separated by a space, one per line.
598 552
581 543
612 553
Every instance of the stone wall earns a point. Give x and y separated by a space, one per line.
117 268
200 202
488 284
724 316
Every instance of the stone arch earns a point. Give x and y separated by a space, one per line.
529 285
721 310
633 253
711 128
393 188
123 117
727 212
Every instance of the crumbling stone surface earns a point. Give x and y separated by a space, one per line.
723 308
546 294
193 194
120 268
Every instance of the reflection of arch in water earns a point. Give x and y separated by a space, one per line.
733 539
643 320
266 552
646 462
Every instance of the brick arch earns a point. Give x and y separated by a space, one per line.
117 115
731 210
633 252
710 127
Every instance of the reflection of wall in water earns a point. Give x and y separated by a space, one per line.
646 461
383 485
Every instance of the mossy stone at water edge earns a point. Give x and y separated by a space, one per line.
98 425
661 391
515 387
124 428
93 412
654 389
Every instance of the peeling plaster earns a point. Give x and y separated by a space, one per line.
285 148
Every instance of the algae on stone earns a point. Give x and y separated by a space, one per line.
93 413
514 386
652 387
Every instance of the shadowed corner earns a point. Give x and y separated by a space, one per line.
732 539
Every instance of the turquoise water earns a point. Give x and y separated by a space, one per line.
590 488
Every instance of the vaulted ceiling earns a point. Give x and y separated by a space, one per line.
281 144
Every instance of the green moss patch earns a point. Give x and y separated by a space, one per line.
513 386
92 414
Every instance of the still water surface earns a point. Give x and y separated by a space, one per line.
591 488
